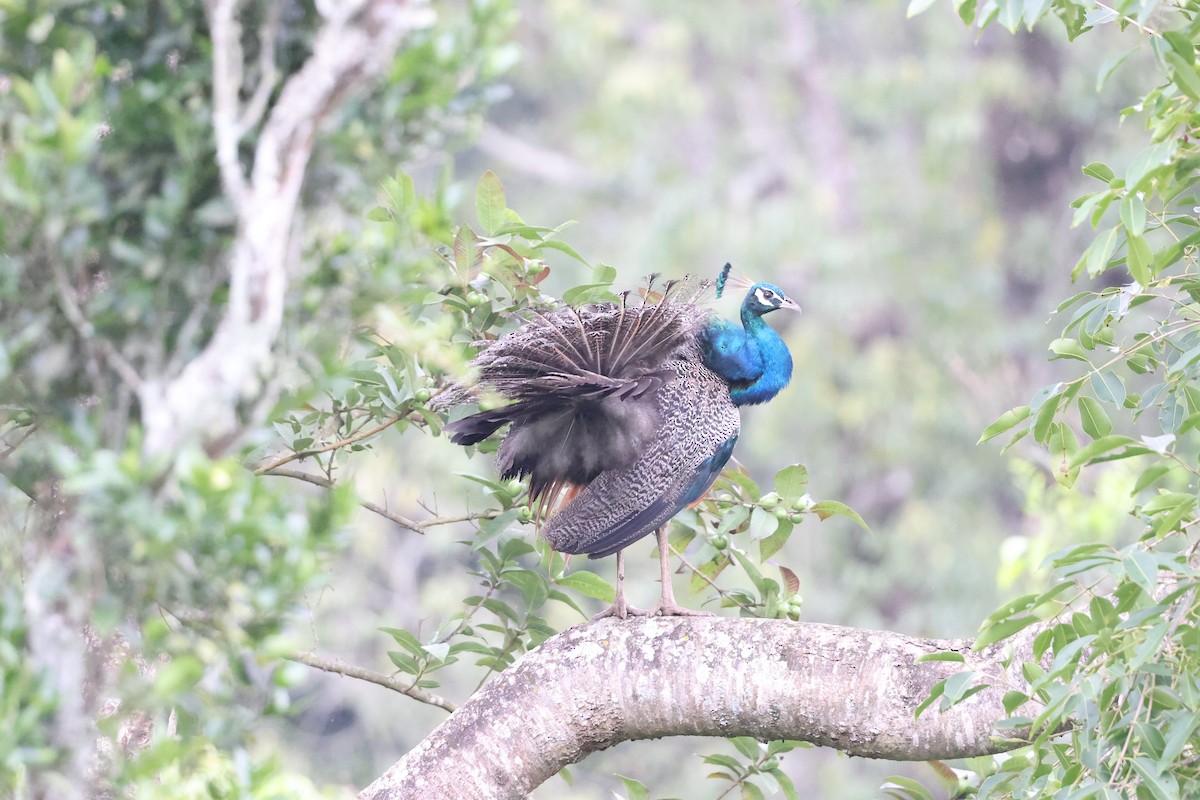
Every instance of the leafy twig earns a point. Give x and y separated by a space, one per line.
724 594
358 436
10 449
417 526
1128 18
340 667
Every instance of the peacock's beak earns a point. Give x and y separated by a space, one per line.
791 305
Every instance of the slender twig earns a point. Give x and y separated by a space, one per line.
1128 18
724 594
87 332
339 667
8 451
462 623
351 439
417 526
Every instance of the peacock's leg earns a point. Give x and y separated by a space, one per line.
667 606
620 608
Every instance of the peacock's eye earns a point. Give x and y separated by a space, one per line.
769 295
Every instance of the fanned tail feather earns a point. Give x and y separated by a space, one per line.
583 382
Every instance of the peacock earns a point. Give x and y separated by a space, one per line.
623 413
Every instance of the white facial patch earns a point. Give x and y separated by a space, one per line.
760 294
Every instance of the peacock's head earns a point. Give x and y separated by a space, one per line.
764 298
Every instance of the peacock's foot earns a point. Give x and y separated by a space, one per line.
622 610
673 609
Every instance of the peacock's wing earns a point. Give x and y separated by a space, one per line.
583 384
679 463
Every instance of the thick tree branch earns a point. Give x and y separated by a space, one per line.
356 42
612 681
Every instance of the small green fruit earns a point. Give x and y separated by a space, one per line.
769 500
720 541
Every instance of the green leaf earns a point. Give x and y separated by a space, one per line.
763 524
1177 735
918 6
1002 630
733 518
1045 418
490 203
1172 253
1182 45
935 692
1006 421
747 746
1100 252
1184 75
532 586
1102 445
634 790
751 570
1099 171
1142 569
1146 161
957 686
773 543
722 760
1108 386
1096 423
1149 476
903 788
948 655
1184 361
464 253
1068 348
785 784
752 792
1139 259
1133 215
827 508
1014 700
404 663
589 584
1162 786
791 483
405 640
562 247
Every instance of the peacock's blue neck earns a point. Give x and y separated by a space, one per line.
775 359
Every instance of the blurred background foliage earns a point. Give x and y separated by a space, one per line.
908 181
